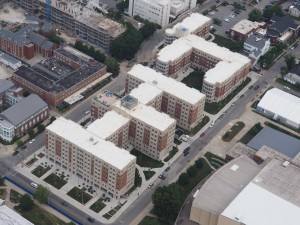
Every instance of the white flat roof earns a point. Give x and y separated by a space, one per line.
193 22
145 93
222 71
257 206
108 124
91 143
148 115
282 104
191 41
245 26
167 84
10 217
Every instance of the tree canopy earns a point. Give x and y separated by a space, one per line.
42 194
26 203
255 15
290 61
274 10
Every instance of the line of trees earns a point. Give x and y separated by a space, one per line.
112 64
266 14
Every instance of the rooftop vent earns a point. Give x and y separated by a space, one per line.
154 82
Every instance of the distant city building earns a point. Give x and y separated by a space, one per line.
23 116
167 95
10 61
282 29
10 217
244 28
84 22
5 86
282 106
242 192
194 24
101 104
159 11
56 78
256 46
225 70
98 162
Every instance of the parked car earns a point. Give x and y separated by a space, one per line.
32 141
167 169
64 203
15 153
186 149
23 147
34 185
202 135
150 185
233 104
226 20
287 88
256 87
91 220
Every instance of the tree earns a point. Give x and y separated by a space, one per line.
19 142
55 39
99 56
2 181
255 15
52 119
112 66
91 52
199 163
41 127
31 133
290 61
147 30
192 170
274 10
122 5
42 194
183 179
78 45
283 70
26 203
167 201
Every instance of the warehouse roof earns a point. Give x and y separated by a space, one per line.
10 217
110 123
281 103
24 109
167 84
5 85
104 150
277 140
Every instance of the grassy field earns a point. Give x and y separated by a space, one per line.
251 133
234 130
199 126
98 205
254 104
79 195
14 196
194 80
171 154
148 220
55 181
145 161
148 174
235 46
39 216
214 160
40 170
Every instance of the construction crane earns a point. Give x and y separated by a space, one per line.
48 10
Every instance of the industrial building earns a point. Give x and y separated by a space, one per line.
23 116
56 78
167 95
225 70
98 162
84 22
281 106
194 24
159 11
243 192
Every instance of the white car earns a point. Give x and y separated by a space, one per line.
34 185
211 13
32 141
226 20
212 124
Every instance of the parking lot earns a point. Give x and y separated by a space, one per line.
225 12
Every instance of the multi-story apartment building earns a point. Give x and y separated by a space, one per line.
225 69
194 24
244 28
17 120
102 103
112 127
88 24
182 103
150 131
156 11
98 162
56 78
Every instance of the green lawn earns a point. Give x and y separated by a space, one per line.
194 80
148 220
137 182
14 196
234 130
145 161
251 133
98 205
31 161
113 211
55 181
39 216
79 195
215 160
40 170
215 107
254 104
171 154
148 174
235 46
177 142
199 126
